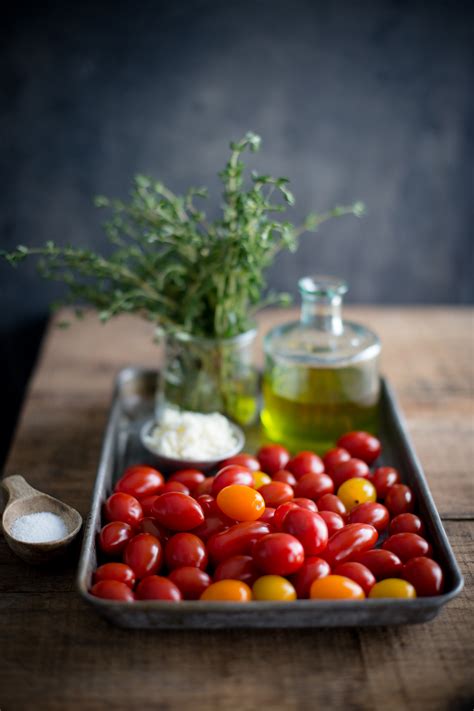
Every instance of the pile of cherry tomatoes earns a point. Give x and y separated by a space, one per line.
269 527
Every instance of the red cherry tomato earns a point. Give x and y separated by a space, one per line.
112 590
425 575
333 521
383 564
208 504
140 481
211 525
205 487
191 581
285 476
312 569
174 486
147 504
407 523
276 493
346 543
115 571
189 477
305 463
185 550
304 503
361 445
155 587
237 567
407 545
151 525
383 478
357 572
232 474
268 515
309 528
400 499
331 502
144 554
370 512
114 537
350 469
243 460
281 512
272 458
123 507
177 511
279 553
313 486
334 457
236 540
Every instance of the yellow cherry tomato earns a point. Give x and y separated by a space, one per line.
228 590
242 503
273 587
260 479
393 587
336 587
356 491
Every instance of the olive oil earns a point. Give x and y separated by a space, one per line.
321 374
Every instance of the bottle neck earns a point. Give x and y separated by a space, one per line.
323 313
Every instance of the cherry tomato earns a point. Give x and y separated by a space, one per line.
349 470
211 525
115 571
361 445
313 486
407 545
400 499
151 525
232 474
185 550
273 587
144 554
393 587
425 575
114 537
358 573
237 567
174 486
236 540
336 587
156 587
383 564
228 591
331 502
304 463
276 493
305 503
178 512
112 590
281 512
309 528
370 512
260 479
272 458
312 569
383 478
123 507
268 515
140 481
285 476
333 521
243 460
356 491
407 523
241 503
191 581
189 477
207 503
348 542
279 553
147 504
205 487
334 457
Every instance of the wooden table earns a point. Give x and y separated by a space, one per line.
57 654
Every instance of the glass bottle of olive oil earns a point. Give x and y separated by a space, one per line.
321 374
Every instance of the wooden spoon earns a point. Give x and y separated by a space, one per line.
24 500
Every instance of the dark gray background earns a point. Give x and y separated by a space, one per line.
354 100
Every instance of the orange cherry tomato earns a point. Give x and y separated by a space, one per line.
336 587
260 479
273 587
393 587
228 590
356 491
241 503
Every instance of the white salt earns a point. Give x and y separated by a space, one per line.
41 527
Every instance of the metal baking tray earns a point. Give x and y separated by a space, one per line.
132 404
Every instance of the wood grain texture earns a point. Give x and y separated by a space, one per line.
58 655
